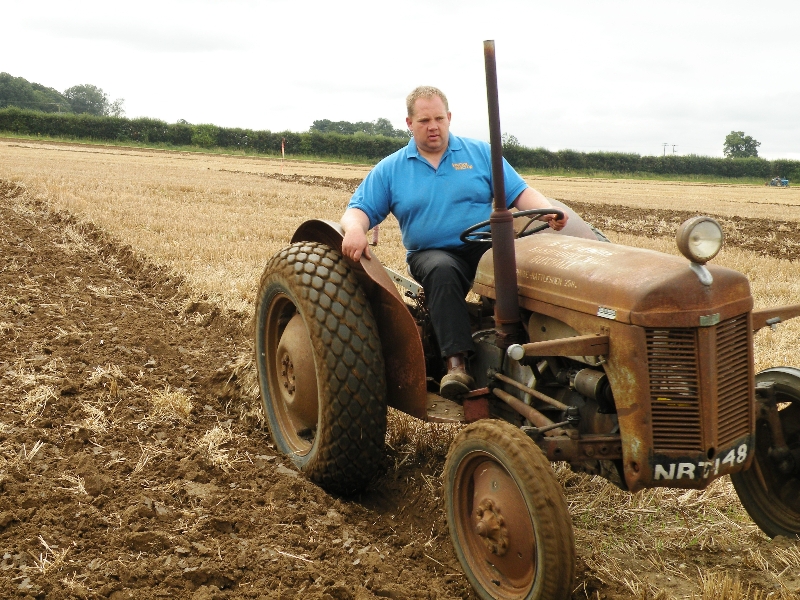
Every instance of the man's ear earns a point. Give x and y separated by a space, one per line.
408 122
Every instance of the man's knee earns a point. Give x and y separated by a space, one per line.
438 267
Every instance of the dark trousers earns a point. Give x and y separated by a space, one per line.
446 276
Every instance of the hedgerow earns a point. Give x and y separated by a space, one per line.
374 148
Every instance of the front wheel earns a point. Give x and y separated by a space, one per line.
507 515
320 367
770 489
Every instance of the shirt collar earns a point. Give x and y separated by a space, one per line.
453 143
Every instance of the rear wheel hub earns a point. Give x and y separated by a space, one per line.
296 374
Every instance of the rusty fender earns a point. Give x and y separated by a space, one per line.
402 347
764 317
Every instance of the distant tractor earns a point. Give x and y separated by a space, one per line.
623 362
778 182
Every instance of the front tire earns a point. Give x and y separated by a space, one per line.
507 515
770 489
320 367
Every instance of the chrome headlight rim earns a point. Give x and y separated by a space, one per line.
700 239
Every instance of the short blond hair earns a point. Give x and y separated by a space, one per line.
424 91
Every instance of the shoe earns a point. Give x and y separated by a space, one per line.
457 381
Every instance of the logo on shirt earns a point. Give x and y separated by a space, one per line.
461 166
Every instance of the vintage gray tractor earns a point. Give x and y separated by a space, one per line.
625 363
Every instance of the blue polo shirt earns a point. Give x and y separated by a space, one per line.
434 206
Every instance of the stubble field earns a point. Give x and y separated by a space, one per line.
133 459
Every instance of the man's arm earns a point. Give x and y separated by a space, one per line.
355 223
531 198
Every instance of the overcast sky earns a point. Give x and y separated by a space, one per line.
586 75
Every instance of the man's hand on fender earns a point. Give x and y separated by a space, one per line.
355 224
355 244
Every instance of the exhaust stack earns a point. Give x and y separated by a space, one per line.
506 310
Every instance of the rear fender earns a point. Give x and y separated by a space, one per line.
402 346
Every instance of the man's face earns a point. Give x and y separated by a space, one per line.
430 125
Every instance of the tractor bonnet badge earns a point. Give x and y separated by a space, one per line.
606 313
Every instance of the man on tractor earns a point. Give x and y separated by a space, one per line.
436 187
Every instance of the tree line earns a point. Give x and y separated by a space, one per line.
619 162
79 99
154 131
370 147
378 127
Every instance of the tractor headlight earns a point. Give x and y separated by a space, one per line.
699 239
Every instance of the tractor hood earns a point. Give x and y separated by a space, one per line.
629 285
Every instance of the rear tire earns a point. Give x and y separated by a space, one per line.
507 515
769 494
320 367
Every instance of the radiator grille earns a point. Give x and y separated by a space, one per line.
733 360
673 357
674 388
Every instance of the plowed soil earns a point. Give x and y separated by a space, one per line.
102 499
103 495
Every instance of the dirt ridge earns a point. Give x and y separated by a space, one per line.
103 496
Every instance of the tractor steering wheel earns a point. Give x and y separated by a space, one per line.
471 235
